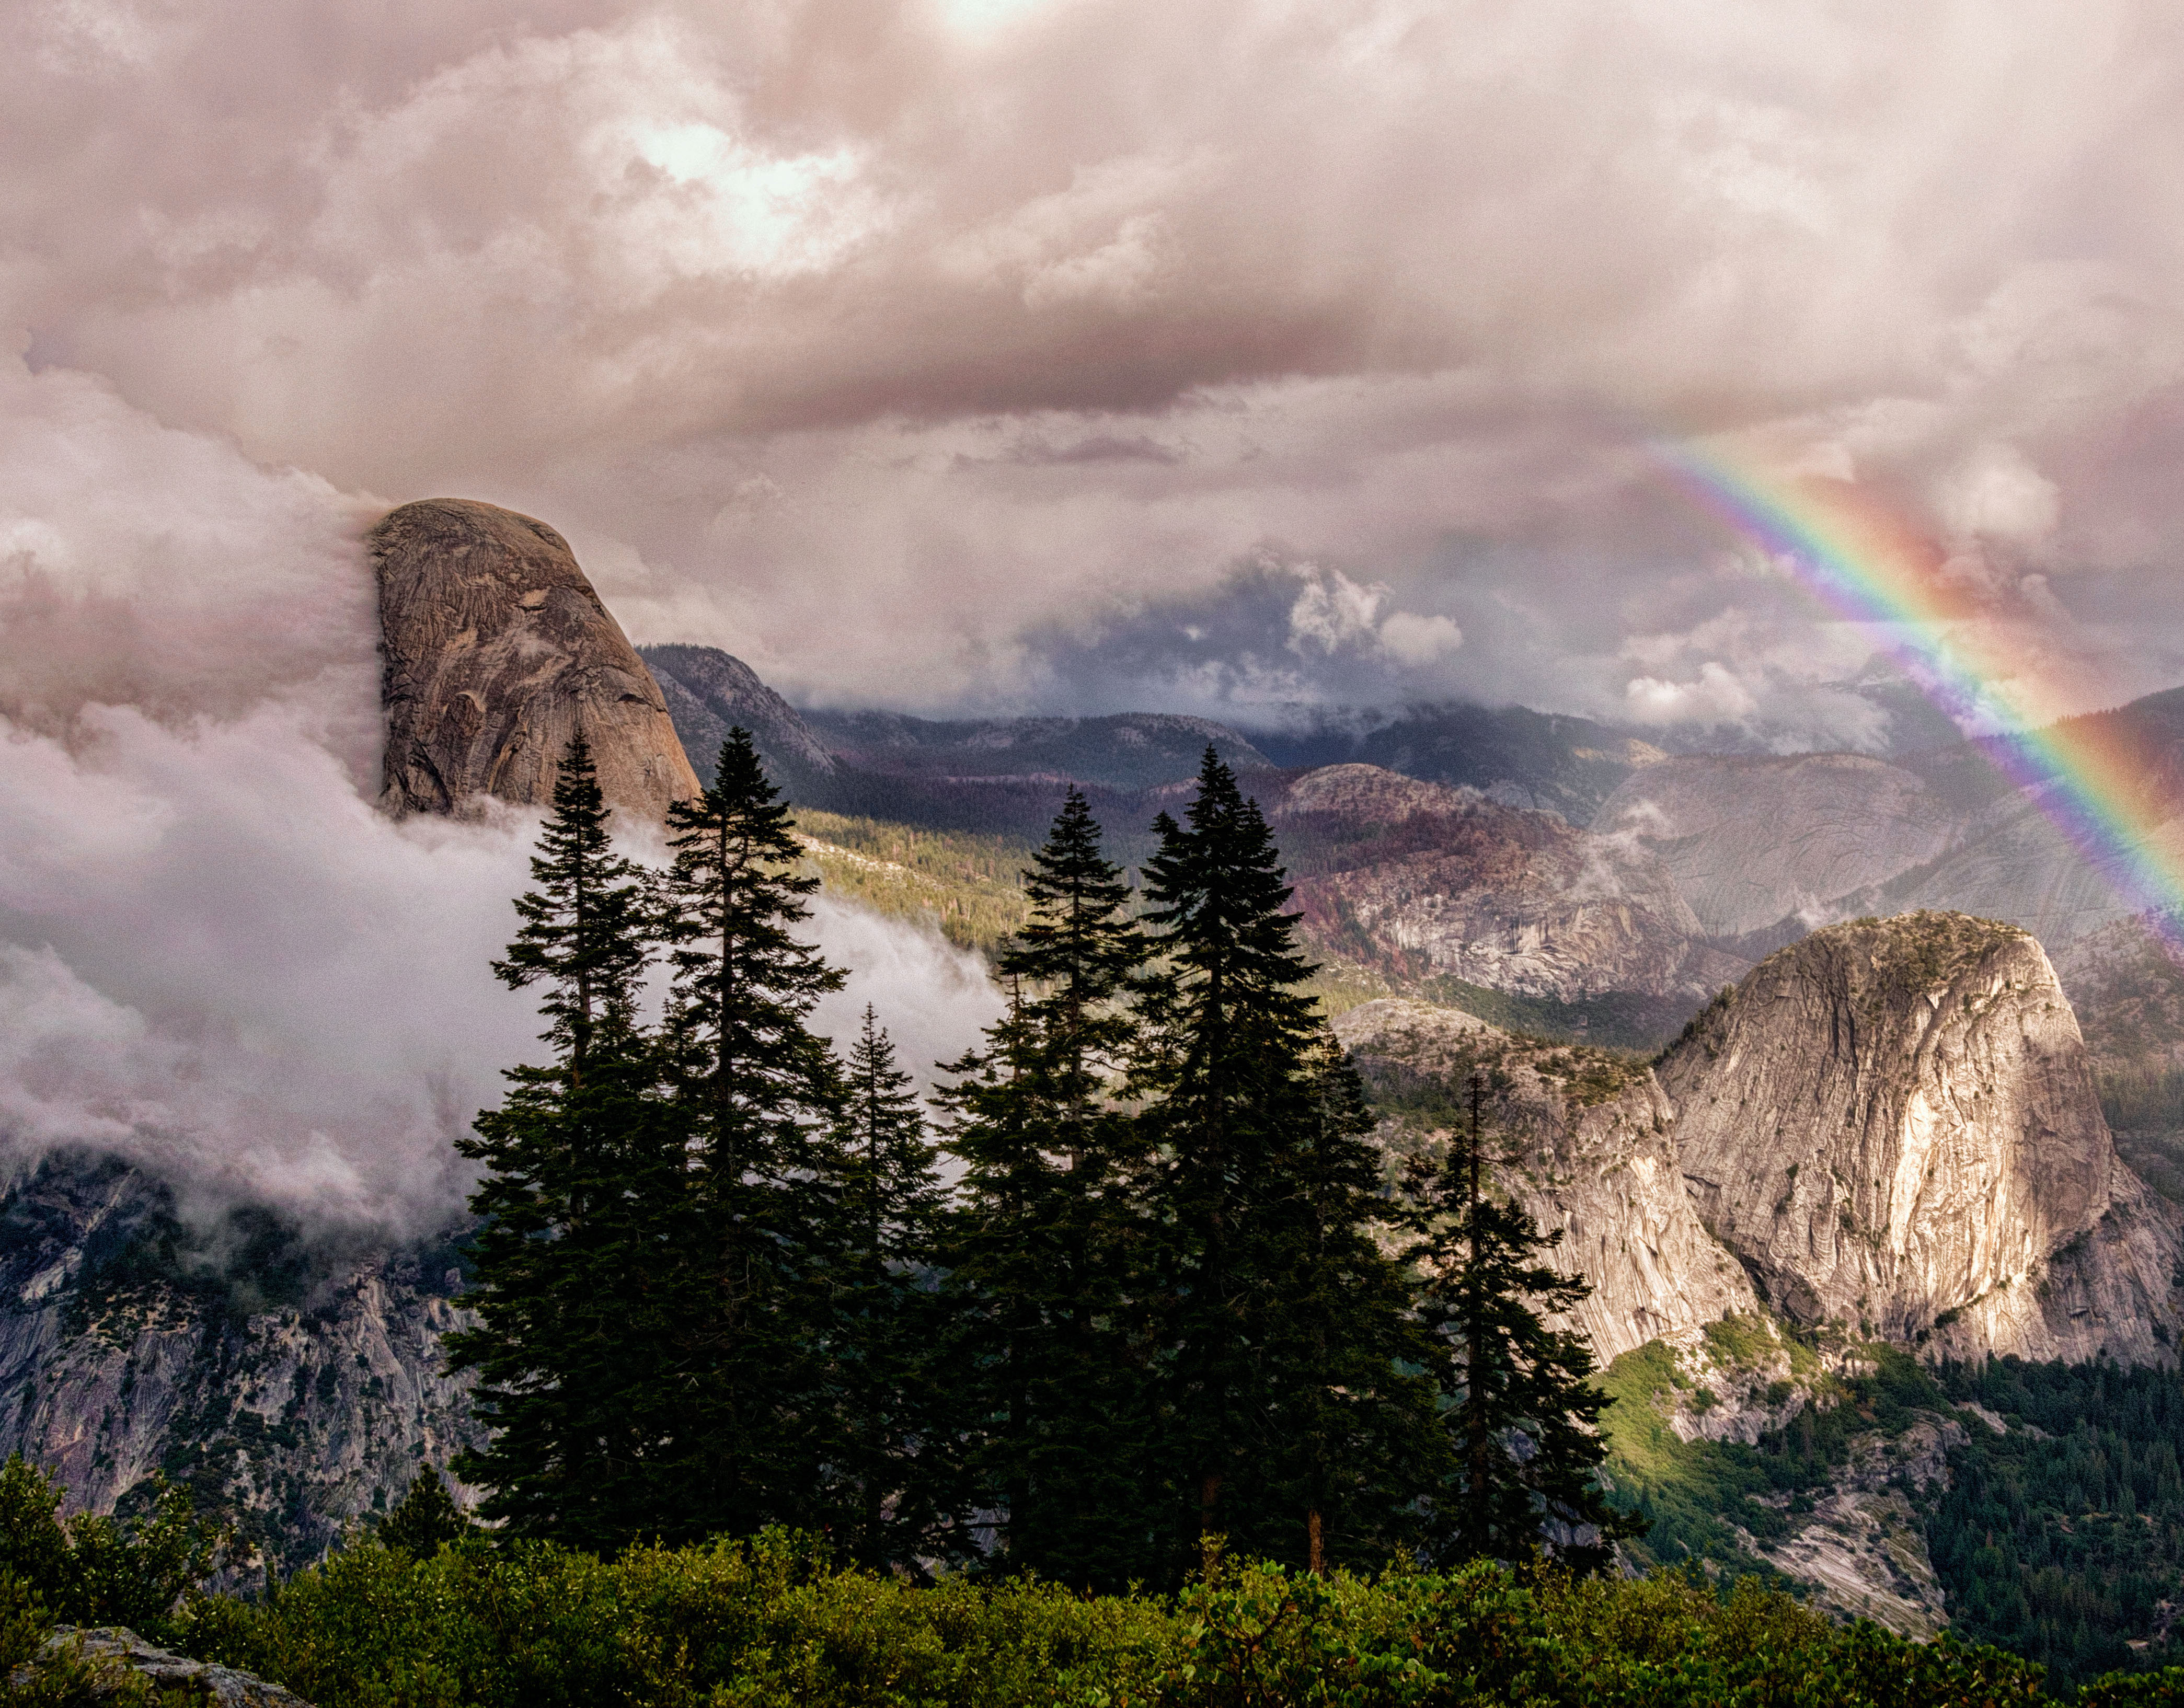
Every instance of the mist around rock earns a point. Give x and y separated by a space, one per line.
217 960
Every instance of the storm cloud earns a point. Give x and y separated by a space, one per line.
907 349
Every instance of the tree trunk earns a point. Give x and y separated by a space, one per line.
1315 1546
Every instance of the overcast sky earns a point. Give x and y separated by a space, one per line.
1092 353
990 355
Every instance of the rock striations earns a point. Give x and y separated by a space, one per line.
297 1390
1893 1125
497 651
1584 1141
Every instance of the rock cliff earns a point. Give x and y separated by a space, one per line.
1748 840
1583 1141
1892 1124
1420 879
496 652
294 1390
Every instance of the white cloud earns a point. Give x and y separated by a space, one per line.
1716 696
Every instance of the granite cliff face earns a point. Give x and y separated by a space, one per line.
1586 1143
294 1390
1893 1125
1421 879
497 651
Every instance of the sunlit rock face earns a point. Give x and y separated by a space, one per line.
1892 1124
1583 1140
497 651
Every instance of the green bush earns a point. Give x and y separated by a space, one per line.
479 1623
100 1570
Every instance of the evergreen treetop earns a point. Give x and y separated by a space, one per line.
583 934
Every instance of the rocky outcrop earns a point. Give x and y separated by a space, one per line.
708 692
1417 879
297 1391
113 1656
1584 1141
1893 1125
497 651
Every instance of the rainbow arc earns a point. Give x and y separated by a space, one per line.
2092 775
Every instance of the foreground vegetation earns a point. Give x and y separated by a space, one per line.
428 1614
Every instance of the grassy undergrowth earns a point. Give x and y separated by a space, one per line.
1706 1497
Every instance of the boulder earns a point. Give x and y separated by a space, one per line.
496 650
114 1653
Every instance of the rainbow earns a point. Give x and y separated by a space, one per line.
1867 565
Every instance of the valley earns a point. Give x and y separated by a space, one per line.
1838 1076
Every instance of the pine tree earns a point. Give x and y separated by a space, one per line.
584 933
898 1419
762 1224
578 1159
425 1518
1046 1241
1222 1065
1521 1415
1352 1434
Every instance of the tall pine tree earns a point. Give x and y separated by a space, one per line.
1275 1304
1521 1415
569 1344
1044 1244
761 1226
1353 1433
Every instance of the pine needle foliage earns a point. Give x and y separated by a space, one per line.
1044 1247
1275 1313
1522 1413
583 935
897 1455
761 1228
581 1160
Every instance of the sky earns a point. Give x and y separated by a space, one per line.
995 355
980 356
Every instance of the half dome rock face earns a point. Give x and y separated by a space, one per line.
497 651
1893 1125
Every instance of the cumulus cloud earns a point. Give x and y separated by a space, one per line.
887 334
216 957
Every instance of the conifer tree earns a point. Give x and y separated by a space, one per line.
1044 1246
584 933
1522 1416
425 1518
1352 1433
568 1343
1254 1179
761 1225
897 1420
